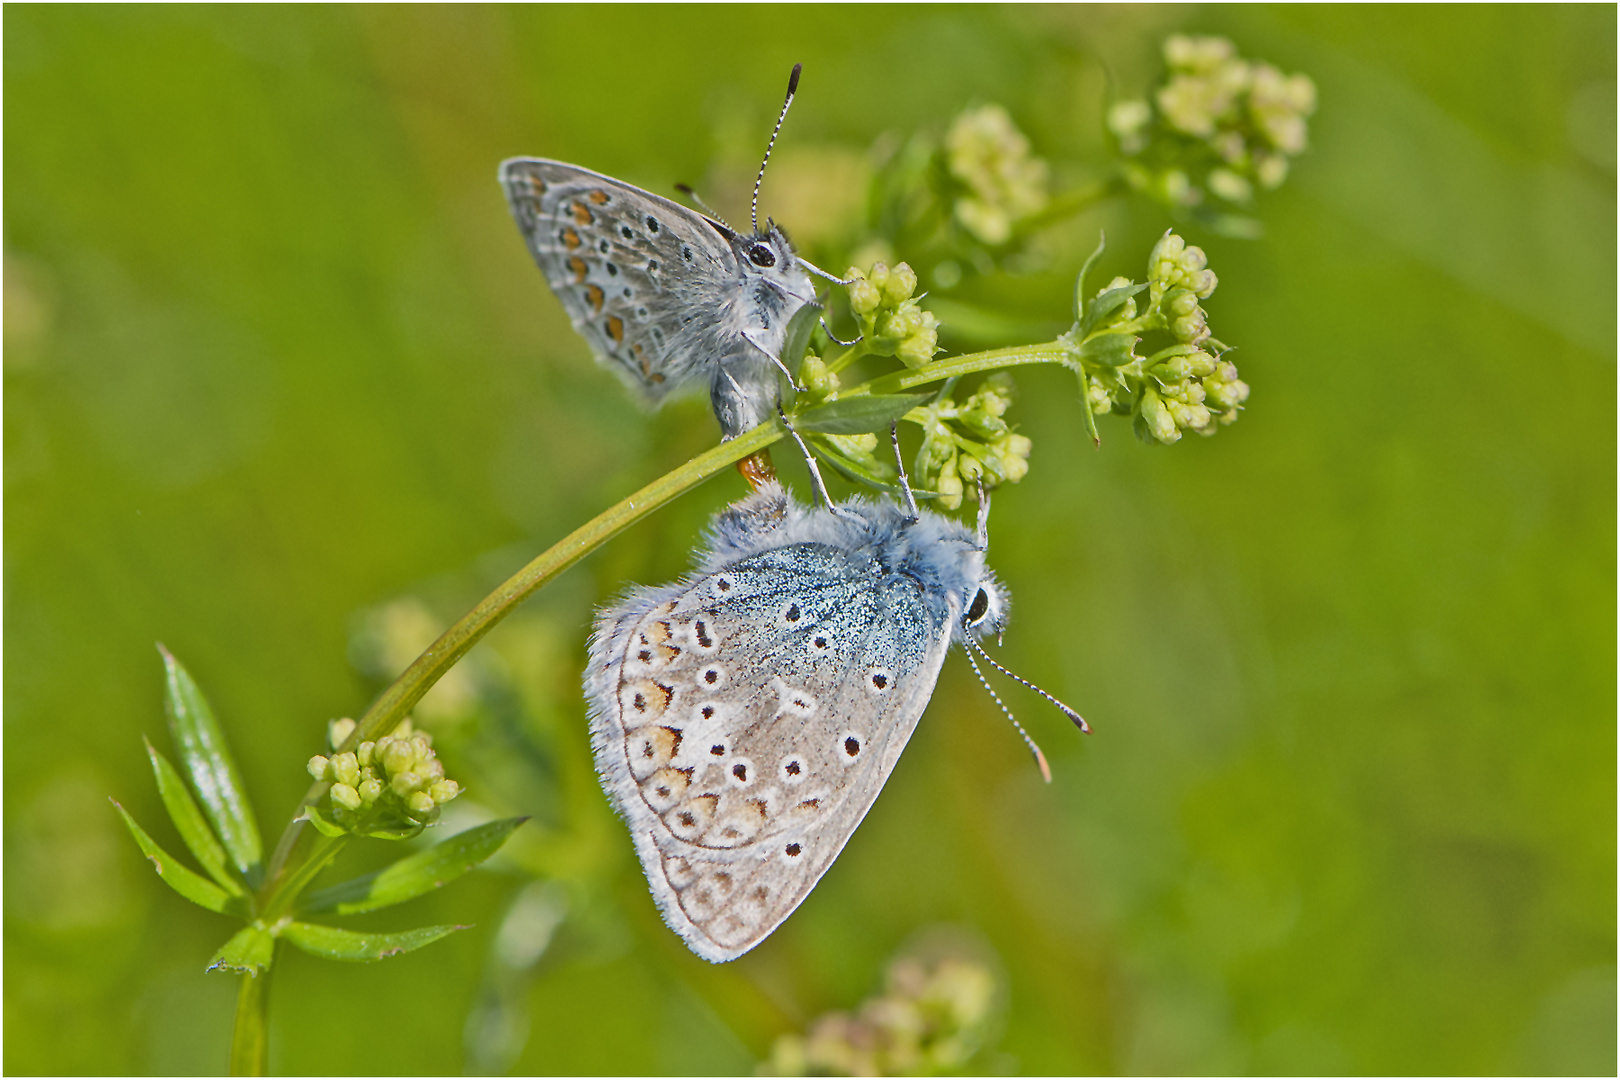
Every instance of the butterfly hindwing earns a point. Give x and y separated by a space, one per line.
746 720
630 268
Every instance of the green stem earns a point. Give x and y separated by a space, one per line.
391 707
250 1043
395 702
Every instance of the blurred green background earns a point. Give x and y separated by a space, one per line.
283 389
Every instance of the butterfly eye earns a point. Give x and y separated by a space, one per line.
981 604
762 255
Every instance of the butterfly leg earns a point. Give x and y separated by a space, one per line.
816 481
836 340
900 467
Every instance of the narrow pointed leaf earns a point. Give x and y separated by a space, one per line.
864 414
213 773
249 952
1080 282
1106 304
199 838
417 874
796 340
183 880
323 823
335 944
1091 417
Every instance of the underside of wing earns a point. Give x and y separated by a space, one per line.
745 721
642 278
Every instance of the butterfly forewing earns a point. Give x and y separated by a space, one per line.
627 265
752 716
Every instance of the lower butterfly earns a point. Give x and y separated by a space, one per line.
744 719
665 295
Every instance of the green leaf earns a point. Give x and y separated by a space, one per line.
417 874
1085 407
335 944
861 415
189 821
1112 350
796 339
213 773
323 823
848 466
249 952
183 880
1106 304
1080 282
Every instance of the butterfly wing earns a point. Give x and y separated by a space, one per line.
744 722
642 278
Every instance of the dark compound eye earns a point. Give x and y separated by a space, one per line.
981 604
762 255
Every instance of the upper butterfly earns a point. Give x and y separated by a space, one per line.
665 295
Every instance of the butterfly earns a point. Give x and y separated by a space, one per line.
743 720
665 295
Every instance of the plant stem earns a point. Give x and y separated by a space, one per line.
395 702
390 708
250 1043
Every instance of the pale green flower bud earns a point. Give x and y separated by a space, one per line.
1229 186
443 791
1188 416
345 770
1128 120
345 796
901 283
420 803
365 754
396 755
916 351
405 783
337 731
1271 171
433 769
970 468
817 380
1097 396
317 767
1156 418
422 746
370 790
864 297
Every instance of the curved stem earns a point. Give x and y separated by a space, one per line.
395 702
390 708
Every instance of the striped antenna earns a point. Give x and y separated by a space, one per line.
1079 721
793 87
1040 758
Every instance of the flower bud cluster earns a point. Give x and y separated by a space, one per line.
968 443
1219 124
1185 385
398 773
891 322
1003 183
931 1019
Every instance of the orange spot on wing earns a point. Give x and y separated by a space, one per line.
582 214
615 326
577 265
593 293
600 198
570 239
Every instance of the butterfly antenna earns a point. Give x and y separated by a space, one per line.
1079 721
836 340
1040 758
819 272
900 466
793 88
686 189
